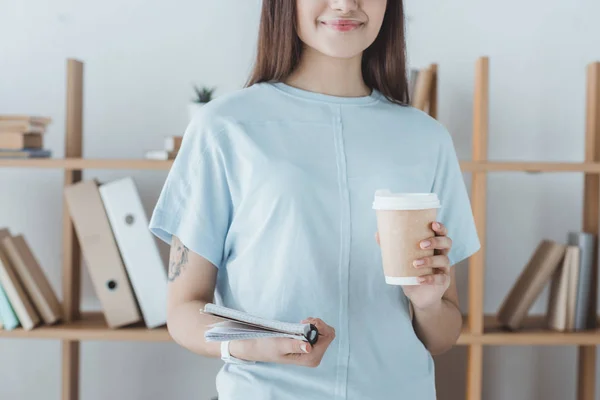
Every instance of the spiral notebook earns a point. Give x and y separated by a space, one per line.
238 325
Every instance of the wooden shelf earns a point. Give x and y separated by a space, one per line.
534 333
531 167
83 163
142 164
92 326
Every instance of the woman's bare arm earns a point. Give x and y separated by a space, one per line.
192 281
439 326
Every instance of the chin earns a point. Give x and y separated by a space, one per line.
337 51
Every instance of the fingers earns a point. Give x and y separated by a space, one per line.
302 353
439 228
326 336
436 261
438 243
441 242
292 346
289 350
442 279
322 327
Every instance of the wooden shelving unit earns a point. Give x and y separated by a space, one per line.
479 330
483 330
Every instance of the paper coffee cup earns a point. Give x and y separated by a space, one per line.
403 221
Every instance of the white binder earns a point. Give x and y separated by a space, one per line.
138 249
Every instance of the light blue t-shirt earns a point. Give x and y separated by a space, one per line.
274 185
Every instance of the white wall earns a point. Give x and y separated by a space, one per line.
140 63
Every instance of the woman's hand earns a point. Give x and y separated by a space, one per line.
286 351
432 287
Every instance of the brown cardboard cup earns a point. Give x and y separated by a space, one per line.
403 221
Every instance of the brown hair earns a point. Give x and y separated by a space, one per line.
279 49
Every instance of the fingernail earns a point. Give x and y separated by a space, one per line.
304 347
421 279
425 244
436 225
418 262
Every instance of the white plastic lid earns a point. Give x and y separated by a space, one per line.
386 200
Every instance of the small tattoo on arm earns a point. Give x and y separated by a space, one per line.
178 259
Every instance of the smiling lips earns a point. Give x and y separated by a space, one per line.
342 25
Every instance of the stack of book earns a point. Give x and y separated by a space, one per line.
569 271
120 253
171 148
26 297
22 136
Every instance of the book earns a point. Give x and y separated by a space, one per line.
33 119
173 143
33 279
20 141
238 325
537 272
160 155
573 279
16 294
584 292
25 153
20 127
422 89
7 314
412 81
557 313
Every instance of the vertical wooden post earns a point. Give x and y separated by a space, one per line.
478 201
591 203
71 250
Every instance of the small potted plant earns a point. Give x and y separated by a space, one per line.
202 96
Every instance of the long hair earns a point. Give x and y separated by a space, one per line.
279 49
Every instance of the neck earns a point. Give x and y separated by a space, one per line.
319 73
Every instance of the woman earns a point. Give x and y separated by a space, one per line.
268 210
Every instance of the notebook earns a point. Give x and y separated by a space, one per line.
238 325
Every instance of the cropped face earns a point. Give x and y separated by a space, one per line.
339 28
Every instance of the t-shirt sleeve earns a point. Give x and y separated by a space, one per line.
195 202
455 212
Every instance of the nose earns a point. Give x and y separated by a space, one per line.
344 6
